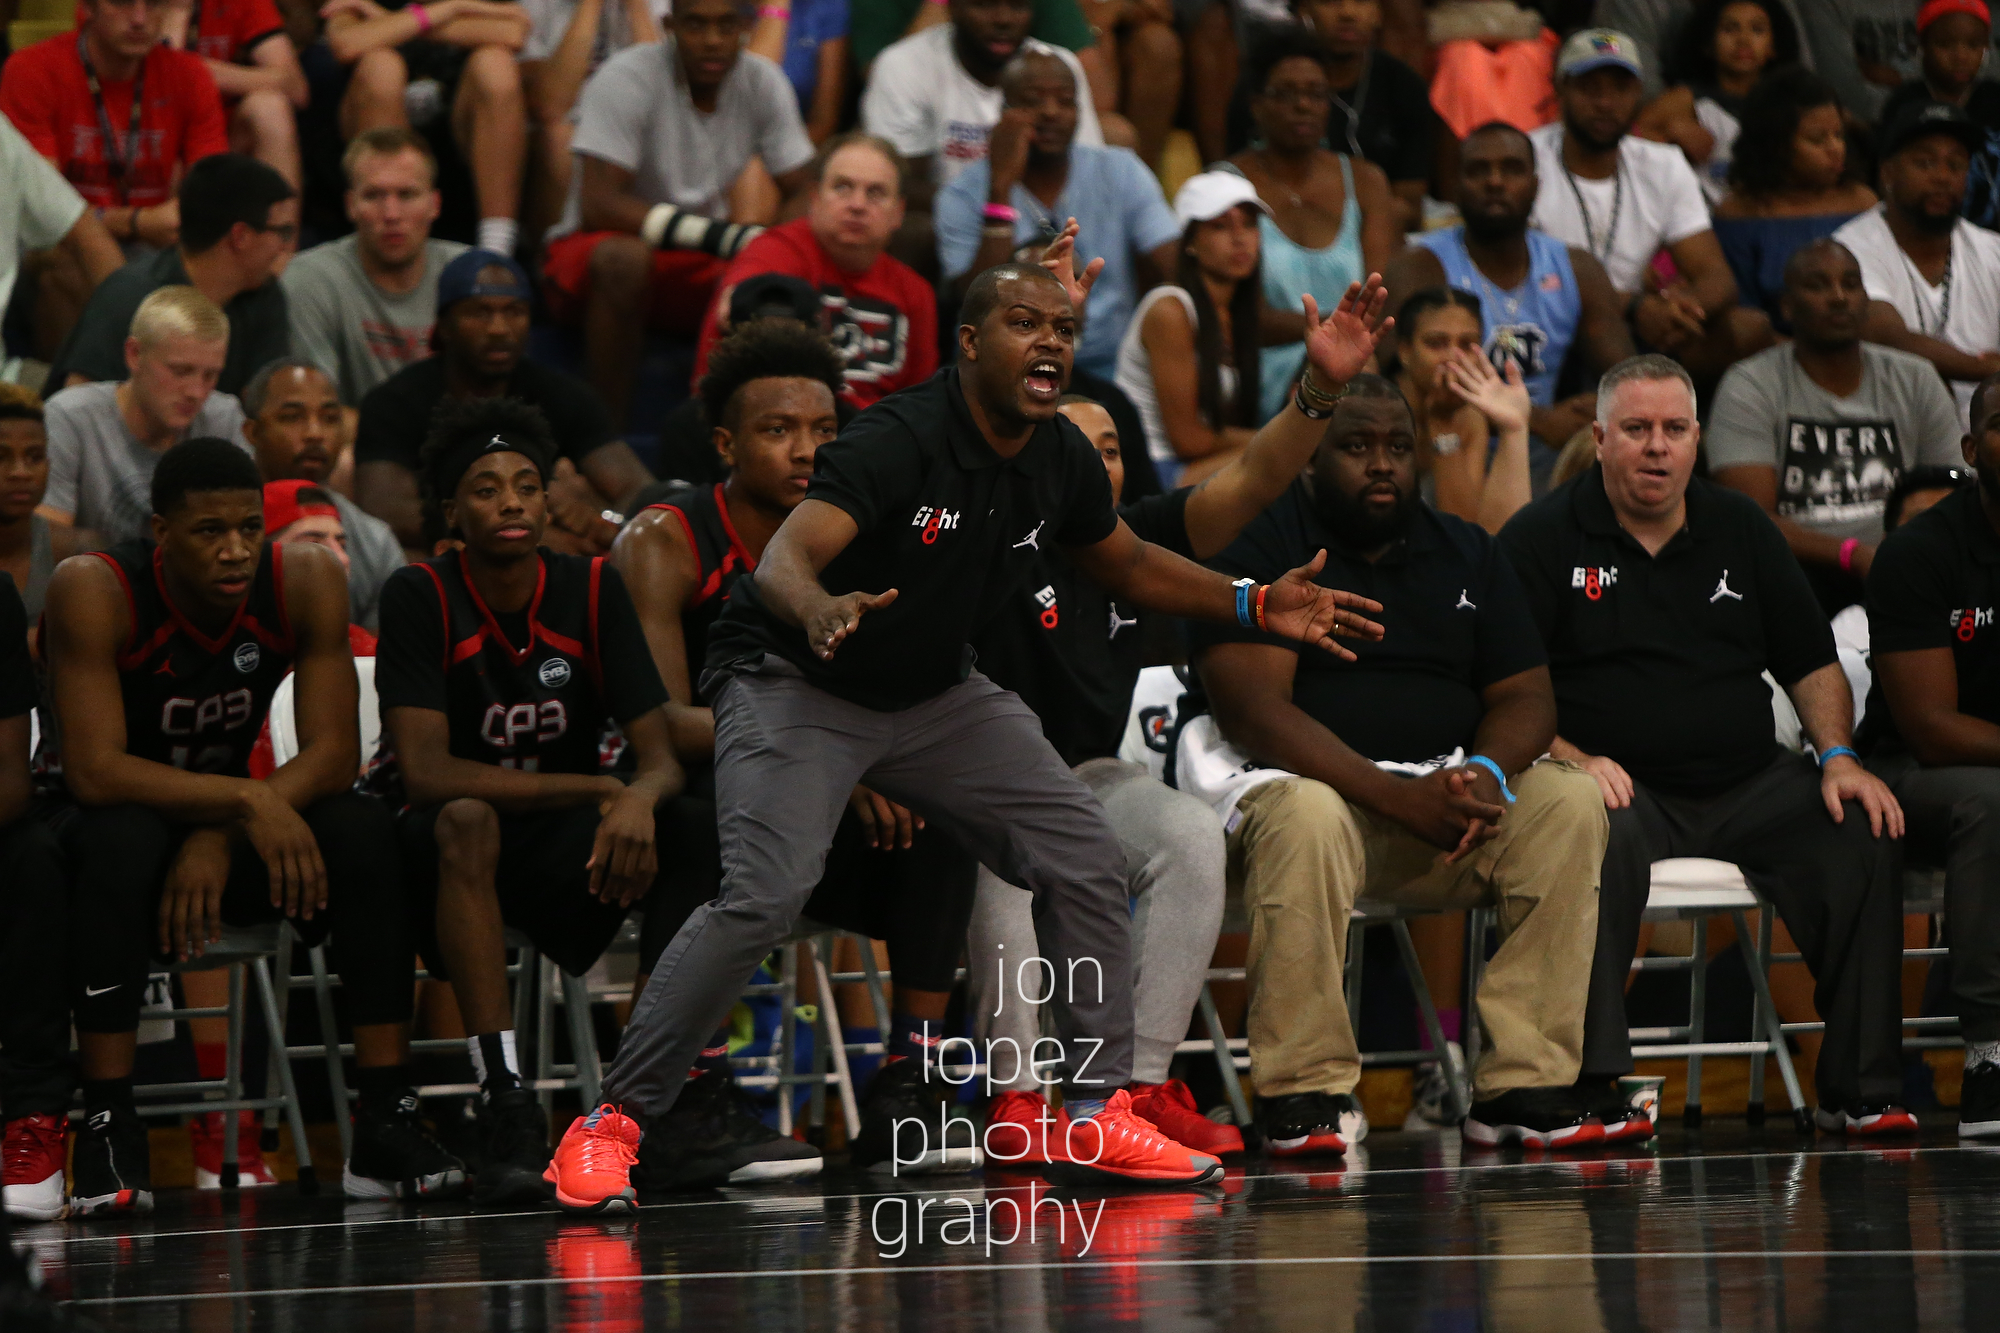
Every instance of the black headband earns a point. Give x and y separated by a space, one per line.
451 466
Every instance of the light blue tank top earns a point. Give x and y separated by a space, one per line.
1534 324
1289 270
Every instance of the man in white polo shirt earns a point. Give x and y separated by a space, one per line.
1933 279
1624 199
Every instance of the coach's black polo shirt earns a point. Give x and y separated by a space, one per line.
1657 659
946 521
1935 583
1453 619
1070 649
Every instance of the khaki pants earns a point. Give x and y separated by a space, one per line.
1301 855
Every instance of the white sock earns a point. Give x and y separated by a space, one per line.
1979 1053
497 1045
498 234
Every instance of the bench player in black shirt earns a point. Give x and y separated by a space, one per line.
1932 727
771 390
162 658
921 517
500 669
35 1075
1072 652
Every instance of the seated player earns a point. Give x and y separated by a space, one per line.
35 1074
771 389
1388 778
1932 727
1663 599
1072 653
501 668
162 659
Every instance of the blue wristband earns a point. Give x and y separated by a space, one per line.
1243 587
1837 750
1494 769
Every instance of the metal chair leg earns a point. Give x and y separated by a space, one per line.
1697 1018
583 1040
308 1180
1774 1024
329 1033
1455 1079
233 1077
1232 1086
1477 921
878 997
1754 1111
281 972
545 1031
788 1023
836 1045
1351 966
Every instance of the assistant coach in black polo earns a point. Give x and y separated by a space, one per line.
845 660
1662 599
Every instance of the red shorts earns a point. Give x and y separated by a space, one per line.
683 283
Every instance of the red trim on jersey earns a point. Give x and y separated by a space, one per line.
492 628
594 663
694 550
213 647
128 657
444 613
736 546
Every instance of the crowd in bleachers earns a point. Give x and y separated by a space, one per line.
1688 397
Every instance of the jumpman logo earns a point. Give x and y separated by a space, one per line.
1118 622
1033 541
1465 603
1722 590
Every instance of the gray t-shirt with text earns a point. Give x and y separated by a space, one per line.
1837 459
352 329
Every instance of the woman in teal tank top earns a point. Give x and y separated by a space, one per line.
1333 219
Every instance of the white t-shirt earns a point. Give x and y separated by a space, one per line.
1661 204
39 209
1134 375
549 22
1973 323
921 100
99 472
636 113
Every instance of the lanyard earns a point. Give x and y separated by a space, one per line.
120 166
1617 207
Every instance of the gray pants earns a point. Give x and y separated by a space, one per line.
1173 849
1954 821
973 760
1835 887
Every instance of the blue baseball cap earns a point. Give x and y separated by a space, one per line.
462 278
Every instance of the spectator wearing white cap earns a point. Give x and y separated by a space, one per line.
1625 199
1189 359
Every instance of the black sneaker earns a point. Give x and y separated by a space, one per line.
1311 1124
112 1165
1979 1102
715 1119
1535 1118
395 1157
514 1138
1622 1121
942 1140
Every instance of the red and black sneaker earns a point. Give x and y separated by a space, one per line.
1311 1124
1865 1122
1116 1145
1622 1121
32 1165
1018 1126
1170 1106
1534 1118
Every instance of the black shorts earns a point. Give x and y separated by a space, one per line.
542 883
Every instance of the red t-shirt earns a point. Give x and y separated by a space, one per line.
229 28
884 320
44 92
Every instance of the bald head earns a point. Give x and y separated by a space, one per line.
1814 256
1030 67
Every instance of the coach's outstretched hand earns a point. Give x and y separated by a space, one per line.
827 627
1060 259
1297 608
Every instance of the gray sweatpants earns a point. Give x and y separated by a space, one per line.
1174 867
973 760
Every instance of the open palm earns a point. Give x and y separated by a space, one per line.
1340 344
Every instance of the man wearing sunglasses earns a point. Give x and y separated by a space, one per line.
239 225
